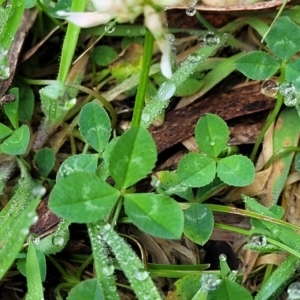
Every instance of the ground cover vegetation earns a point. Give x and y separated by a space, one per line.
149 150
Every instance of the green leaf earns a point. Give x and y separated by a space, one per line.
131 265
103 55
11 109
87 289
236 170
44 160
13 239
196 170
278 279
82 197
229 290
283 38
103 264
186 287
4 131
17 143
211 134
189 87
205 192
133 157
158 215
79 162
26 103
198 223
292 73
168 182
56 241
33 275
257 65
94 125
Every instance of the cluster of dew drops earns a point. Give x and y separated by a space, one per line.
270 87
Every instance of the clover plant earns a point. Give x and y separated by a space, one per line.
283 41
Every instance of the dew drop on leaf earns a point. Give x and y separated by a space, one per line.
58 240
210 282
141 275
212 39
222 257
270 87
294 291
110 27
290 100
257 240
286 88
190 11
107 227
108 270
171 38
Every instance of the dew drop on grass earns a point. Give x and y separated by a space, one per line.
270 87
107 227
108 270
290 100
190 11
145 118
166 91
58 240
294 291
212 143
257 240
110 27
210 282
4 65
35 239
171 38
286 88
141 275
222 257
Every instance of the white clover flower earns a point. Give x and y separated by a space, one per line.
123 11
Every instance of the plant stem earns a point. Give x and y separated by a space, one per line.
271 117
144 75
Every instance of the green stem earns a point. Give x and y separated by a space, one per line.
70 43
144 75
102 100
271 117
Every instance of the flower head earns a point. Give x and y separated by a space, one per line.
123 11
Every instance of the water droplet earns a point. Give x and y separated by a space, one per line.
173 50
210 282
290 100
142 31
58 240
141 275
190 11
166 91
212 143
145 118
222 257
286 88
209 39
107 227
35 239
270 87
257 240
128 32
171 38
110 27
294 291
108 270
